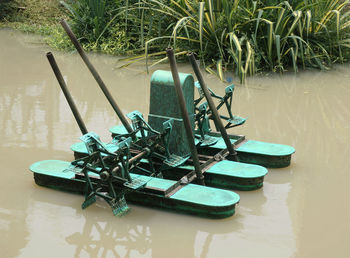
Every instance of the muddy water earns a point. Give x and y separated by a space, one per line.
302 210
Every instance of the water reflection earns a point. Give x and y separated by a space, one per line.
142 232
11 226
314 108
102 238
15 200
127 239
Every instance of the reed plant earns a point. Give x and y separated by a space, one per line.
242 36
90 17
250 36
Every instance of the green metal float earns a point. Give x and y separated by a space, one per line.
172 161
113 174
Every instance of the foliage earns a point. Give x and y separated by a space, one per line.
40 17
39 12
90 17
243 36
248 36
7 9
33 15
98 25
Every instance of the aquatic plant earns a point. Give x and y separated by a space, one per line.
251 36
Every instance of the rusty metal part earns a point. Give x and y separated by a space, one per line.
66 93
133 159
212 107
189 133
188 178
96 76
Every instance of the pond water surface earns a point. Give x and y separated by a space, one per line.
302 210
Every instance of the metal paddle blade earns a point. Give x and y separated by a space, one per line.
235 121
88 201
119 206
174 160
207 141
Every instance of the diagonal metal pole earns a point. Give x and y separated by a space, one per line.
96 76
212 107
66 93
182 104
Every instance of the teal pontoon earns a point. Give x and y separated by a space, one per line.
149 191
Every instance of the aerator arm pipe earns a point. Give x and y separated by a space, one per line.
66 93
181 100
212 106
96 76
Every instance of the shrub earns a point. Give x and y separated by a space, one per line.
7 9
243 36
250 36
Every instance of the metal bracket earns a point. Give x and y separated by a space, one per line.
93 143
202 120
232 120
106 175
171 160
139 123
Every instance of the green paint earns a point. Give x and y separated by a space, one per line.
265 148
257 147
266 154
254 152
237 169
81 147
164 106
119 129
194 199
154 182
206 195
233 175
163 101
53 168
224 174
194 193
177 138
220 143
